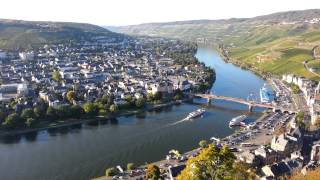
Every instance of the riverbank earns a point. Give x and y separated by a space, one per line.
67 123
164 164
225 56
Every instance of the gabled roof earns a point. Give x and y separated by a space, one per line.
279 169
176 170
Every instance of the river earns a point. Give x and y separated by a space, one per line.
85 151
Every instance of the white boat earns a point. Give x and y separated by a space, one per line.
195 113
265 96
236 121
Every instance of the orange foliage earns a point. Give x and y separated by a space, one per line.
311 175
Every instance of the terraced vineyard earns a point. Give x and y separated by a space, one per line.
278 43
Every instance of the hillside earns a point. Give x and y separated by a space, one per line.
276 43
16 34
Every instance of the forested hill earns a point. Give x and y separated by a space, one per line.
17 34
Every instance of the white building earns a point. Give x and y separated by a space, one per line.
26 55
162 87
315 113
288 78
3 55
315 153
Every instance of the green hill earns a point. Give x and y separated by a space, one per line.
16 34
263 42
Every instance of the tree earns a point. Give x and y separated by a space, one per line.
27 113
11 121
70 96
111 171
178 94
177 97
38 112
213 163
128 98
203 143
56 76
300 116
295 89
140 102
114 108
64 111
76 111
158 96
107 99
203 87
91 109
40 109
300 120
30 122
130 166
150 97
153 172
2 116
51 113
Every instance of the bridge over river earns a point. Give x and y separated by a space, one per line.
249 103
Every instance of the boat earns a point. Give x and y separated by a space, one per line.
236 121
265 96
195 113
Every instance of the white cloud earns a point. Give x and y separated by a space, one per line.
122 12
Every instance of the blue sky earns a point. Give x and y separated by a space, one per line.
126 12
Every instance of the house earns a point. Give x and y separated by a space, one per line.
288 78
16 88
26 55
68 72
180 83
281 168
315 113
174 171
287 143
163 87
266 155
249 158
276 170
3 55
315 152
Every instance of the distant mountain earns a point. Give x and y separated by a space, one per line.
278 43
230 29
17 34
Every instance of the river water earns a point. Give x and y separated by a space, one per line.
85 151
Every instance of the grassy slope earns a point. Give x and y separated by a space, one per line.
282 55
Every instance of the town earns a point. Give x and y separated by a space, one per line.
68 81
278 144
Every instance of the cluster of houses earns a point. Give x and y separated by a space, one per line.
311 92
287 153
131 67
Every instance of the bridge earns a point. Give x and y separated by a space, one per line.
249 103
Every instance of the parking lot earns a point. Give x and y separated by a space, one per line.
283 94
259 132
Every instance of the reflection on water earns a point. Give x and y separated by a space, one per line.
32 136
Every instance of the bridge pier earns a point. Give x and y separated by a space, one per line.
250 108
209 101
